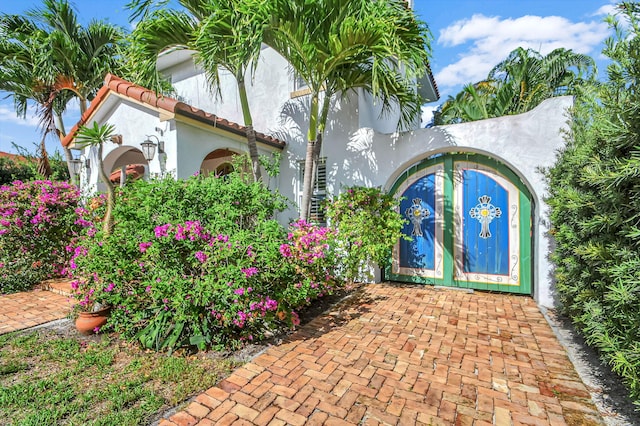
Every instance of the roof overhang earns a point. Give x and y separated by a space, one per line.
117 90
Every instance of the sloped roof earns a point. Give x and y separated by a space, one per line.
113 84
14 157
433 83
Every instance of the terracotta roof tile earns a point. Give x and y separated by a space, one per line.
14 157
149 97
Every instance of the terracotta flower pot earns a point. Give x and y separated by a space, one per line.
89 322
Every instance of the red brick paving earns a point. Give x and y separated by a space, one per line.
404 355
28 309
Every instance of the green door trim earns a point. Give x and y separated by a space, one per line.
524 268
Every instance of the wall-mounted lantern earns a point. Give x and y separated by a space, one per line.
149 147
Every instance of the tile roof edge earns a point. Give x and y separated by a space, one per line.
115 84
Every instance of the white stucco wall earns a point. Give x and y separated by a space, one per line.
134 123
186 142
356 153
267 91
525 143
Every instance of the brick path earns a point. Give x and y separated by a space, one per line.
405 355
28 309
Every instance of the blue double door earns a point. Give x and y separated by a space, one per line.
468 225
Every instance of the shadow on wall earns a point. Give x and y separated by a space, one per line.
356 156
399 152
294 125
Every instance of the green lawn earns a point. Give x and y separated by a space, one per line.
47 379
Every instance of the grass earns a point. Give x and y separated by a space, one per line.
47 378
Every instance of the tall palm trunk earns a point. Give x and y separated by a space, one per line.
251 133
67 152
312 135
107 225
44 167
307 182
317 149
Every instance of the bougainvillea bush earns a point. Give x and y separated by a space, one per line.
39 220
367 224
202 262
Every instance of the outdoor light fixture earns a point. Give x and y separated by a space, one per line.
149 147
76 165
160 143
87 164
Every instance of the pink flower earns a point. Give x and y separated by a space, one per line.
162 230
143 247
239 291
285 250
201 256
295 319
249 272
147 289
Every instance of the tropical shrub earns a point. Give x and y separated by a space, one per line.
518 84
24 167
367 224
595 210
201 262
38 221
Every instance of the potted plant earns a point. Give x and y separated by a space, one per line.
92 309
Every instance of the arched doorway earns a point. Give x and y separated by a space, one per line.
469 225
125 163
219 162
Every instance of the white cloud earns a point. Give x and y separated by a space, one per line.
607 9
488 40
427 114
8 115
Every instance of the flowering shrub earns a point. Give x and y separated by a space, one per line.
39 221
188 264
310 254
367 225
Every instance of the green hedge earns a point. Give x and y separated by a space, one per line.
595 211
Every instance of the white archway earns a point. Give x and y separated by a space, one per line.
219 162
125 163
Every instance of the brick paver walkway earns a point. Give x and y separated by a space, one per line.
405 355
28 309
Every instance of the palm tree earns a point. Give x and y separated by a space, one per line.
97 136
518 84
471 102
18 77
533 77
223 34
47 57
340 45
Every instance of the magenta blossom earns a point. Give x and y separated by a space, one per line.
249 272
143 247
201 256
285 250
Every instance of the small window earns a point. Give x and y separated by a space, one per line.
299 83
319 193
299 86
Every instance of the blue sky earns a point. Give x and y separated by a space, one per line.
469 38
